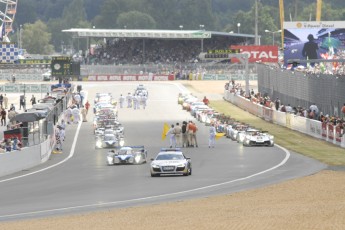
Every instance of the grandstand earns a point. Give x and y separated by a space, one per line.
125 46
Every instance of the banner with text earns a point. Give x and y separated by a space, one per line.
258 53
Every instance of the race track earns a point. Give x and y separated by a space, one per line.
78 180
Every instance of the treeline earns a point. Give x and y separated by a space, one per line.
53 16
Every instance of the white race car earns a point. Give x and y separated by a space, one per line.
258 138
109 141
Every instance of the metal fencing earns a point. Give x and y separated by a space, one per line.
301 89
209 67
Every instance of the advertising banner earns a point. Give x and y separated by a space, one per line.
330 132
338 134
258 53
131 78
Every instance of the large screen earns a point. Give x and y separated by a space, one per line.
314 40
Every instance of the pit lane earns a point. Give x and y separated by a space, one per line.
83 182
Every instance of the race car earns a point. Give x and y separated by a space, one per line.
171 161
258 138
109 141
127 155
141 90
241 134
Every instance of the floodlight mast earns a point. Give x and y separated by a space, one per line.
242 57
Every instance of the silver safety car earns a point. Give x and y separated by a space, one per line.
127 155
171 161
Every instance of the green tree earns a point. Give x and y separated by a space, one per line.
136 20
36 39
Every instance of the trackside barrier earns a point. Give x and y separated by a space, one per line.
28 157
314 128
134 77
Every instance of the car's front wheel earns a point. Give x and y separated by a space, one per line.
154 175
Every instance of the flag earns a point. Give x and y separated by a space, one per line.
166 128
219 135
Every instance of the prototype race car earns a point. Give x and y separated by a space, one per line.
171 161
258 138
127 155
109 141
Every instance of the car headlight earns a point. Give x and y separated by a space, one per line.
241 137
110 158
99 144
137 158
271 138
122 142
181 165
155 166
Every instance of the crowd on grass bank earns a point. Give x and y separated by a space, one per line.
312 112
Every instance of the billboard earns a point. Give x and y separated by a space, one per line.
258 53
314 40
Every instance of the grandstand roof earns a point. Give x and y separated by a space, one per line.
164 34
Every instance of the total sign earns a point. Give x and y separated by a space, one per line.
258 53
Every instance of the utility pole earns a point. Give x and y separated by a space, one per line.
256 23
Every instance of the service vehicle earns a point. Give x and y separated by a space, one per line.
170 161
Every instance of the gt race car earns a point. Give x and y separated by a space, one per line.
170 161
127 155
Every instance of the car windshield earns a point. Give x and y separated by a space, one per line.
169 156
109 138
125 152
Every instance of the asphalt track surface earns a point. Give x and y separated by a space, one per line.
78 180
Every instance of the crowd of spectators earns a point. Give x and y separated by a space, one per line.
330 68
121 51
312 112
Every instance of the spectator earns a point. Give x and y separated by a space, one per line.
343 110
33 100
12 107
184 134
5 101
3 117
205 100
171 134
178 132
22 102
277 103
212 136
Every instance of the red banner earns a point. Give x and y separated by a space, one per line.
338 134
324 130
258 53
135 77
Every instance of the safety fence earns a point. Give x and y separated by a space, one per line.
25 88
302 89
314 128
